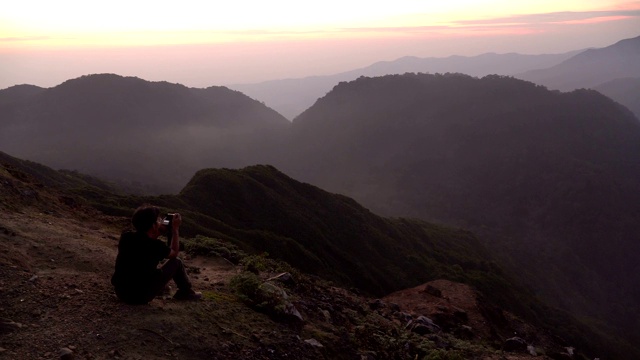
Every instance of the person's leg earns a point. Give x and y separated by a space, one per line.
175 269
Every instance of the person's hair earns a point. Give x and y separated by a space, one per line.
144 217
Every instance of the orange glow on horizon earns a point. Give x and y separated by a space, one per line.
78 24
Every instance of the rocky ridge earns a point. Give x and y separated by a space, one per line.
56 258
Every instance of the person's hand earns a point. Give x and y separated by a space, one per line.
176 221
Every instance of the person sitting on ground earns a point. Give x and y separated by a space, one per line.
137 278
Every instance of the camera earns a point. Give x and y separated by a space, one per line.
167 220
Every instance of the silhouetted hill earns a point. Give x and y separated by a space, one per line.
625 91
290 97
340 238
591 67
550 180
137 132
17 93
259 209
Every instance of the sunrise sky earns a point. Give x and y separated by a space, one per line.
204 43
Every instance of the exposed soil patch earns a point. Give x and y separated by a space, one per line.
56 262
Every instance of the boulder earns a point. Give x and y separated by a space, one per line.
275 301
423 325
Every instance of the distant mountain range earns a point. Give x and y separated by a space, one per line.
626 91
129 130
568 71
591 68
290 97
613 70
549 179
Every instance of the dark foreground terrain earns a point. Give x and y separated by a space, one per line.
56 259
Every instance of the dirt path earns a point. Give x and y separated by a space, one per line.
55 292
55 295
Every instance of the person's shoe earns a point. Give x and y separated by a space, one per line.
165 292
187 295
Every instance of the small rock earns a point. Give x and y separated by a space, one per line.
65 354
115 353
406 317
423 325
314 342
394 307
326 314
368 355
78 291
8 325
291 310
33 278
2 350
465 332
515 344
532 350
285 278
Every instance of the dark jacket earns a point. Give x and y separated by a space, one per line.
136 275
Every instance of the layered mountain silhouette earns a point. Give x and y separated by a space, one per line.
549 180
626 91
130 130
591 68
290 97
568 71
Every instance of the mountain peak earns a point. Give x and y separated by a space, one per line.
591 67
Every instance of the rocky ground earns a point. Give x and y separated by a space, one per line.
56 302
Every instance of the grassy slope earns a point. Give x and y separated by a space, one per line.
260 209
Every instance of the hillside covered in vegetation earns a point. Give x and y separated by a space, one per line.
231 214
549 181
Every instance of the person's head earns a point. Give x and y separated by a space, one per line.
146 218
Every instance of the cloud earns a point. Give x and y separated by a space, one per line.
25 38
514 25
552 18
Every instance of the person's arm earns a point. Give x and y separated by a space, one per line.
175 237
